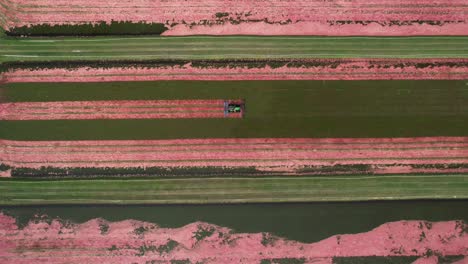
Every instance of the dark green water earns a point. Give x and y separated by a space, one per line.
306 222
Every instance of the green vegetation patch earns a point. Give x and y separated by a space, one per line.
89 29
113 248
203 232
168 247
164 172
375 259
268 239
4 167
221 14
198 63
283 261
141 230
449 259
143 250
215 64
104 228
80 172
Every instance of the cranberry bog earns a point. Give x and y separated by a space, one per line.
274 109
224 17
111 121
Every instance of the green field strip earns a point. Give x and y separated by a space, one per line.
273 109
350 127
233 47
226 190
275 98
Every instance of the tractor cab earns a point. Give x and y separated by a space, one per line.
234 108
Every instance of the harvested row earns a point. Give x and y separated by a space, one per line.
280 17
131 241
141 109
388 155
349 69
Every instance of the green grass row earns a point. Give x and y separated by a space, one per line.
351 127
381 97
230 47
273 109
233 190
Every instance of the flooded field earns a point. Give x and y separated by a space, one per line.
305 222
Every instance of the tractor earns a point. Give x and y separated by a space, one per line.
234 107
